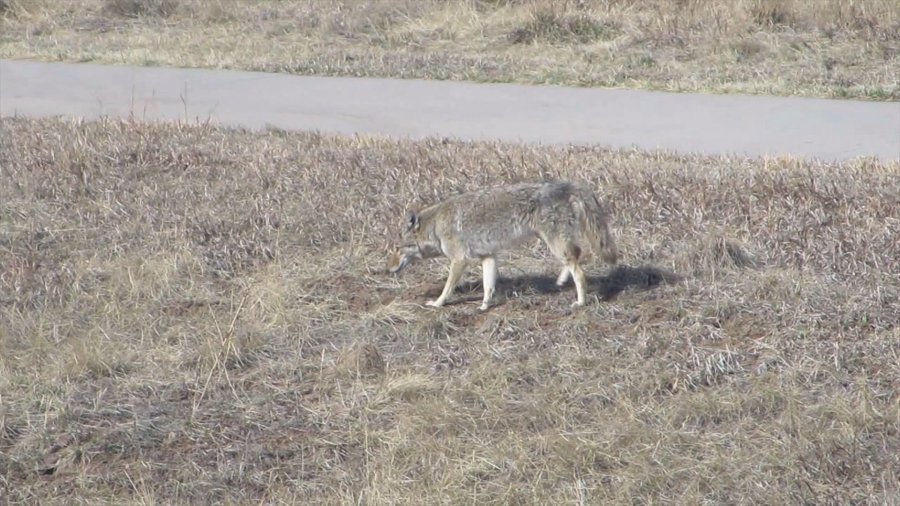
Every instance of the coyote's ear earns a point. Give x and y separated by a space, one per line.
412 221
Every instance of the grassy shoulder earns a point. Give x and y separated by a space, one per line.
191 314
828 48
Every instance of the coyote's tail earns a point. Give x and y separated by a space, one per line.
594 227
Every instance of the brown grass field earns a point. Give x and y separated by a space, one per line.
191 314
829 48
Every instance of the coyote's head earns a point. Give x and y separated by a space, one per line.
414 245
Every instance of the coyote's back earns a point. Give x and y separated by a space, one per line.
480 224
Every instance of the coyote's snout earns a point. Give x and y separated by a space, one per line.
480 224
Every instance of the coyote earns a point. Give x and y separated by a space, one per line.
478 225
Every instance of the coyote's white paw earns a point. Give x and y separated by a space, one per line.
434 303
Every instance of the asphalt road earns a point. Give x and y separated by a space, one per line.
829 130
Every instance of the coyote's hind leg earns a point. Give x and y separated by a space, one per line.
563 276
580 284
570 254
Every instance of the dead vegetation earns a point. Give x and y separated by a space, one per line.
141 8
196 315
831 48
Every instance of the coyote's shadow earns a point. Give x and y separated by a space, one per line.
606 287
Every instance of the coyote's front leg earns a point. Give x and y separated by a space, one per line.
489 273
457 268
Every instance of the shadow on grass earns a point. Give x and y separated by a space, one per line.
606 287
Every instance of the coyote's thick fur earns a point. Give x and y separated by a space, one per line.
480 224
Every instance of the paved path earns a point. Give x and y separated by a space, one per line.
713 124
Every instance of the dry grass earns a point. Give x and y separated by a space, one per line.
191 314
834 48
